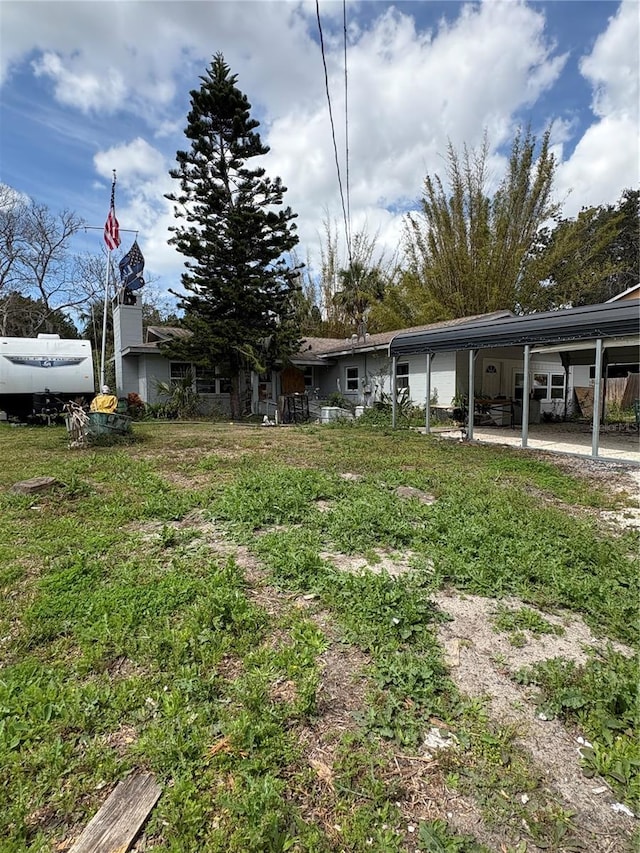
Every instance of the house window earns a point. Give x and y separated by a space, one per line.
308 378
205 380
545 386
540 386
402 376
557 386
351 376
518 386
265 387
178 370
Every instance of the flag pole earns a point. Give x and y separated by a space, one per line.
112 240
104 320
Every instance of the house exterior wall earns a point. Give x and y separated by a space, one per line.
374 377
371 381
153 369
443 378
127 376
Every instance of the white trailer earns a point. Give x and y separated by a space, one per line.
37 375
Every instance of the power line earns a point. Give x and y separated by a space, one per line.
346 124
333 130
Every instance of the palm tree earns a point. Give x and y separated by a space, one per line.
182 400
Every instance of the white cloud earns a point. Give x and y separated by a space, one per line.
604 163
606 160
409 91
81 89
136 159
612 66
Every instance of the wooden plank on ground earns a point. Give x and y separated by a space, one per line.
114 828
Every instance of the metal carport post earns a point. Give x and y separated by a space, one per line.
394 366
427 405
595 427
525 396
471 404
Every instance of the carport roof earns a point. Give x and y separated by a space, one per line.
589 322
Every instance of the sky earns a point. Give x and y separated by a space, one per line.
89 86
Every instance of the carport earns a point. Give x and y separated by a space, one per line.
597 333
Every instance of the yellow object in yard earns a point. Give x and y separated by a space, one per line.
105 403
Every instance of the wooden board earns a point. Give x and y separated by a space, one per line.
584 396
631 391
115 826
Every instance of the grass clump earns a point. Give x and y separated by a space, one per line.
516 621
601 699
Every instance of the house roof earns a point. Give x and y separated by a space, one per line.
618 319
589 322
165 333
322 348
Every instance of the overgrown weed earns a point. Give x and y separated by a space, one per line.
117 650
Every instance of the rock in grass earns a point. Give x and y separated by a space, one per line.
35 484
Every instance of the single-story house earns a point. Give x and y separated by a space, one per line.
518 367
581 342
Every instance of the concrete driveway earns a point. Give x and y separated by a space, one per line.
572 438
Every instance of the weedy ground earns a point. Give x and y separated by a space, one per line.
259 617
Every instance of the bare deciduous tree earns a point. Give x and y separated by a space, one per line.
36 261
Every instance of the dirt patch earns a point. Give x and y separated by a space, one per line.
393 563
616 476
485 662
629 517
416 494
418 780
121 740
123 667
283 690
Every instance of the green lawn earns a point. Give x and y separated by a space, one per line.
171 606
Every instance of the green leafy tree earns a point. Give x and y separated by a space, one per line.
404 305
626 246
589 259
360 287
239 301
24 317
471 250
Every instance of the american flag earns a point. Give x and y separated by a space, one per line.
111 226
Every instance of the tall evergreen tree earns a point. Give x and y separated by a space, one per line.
239 301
